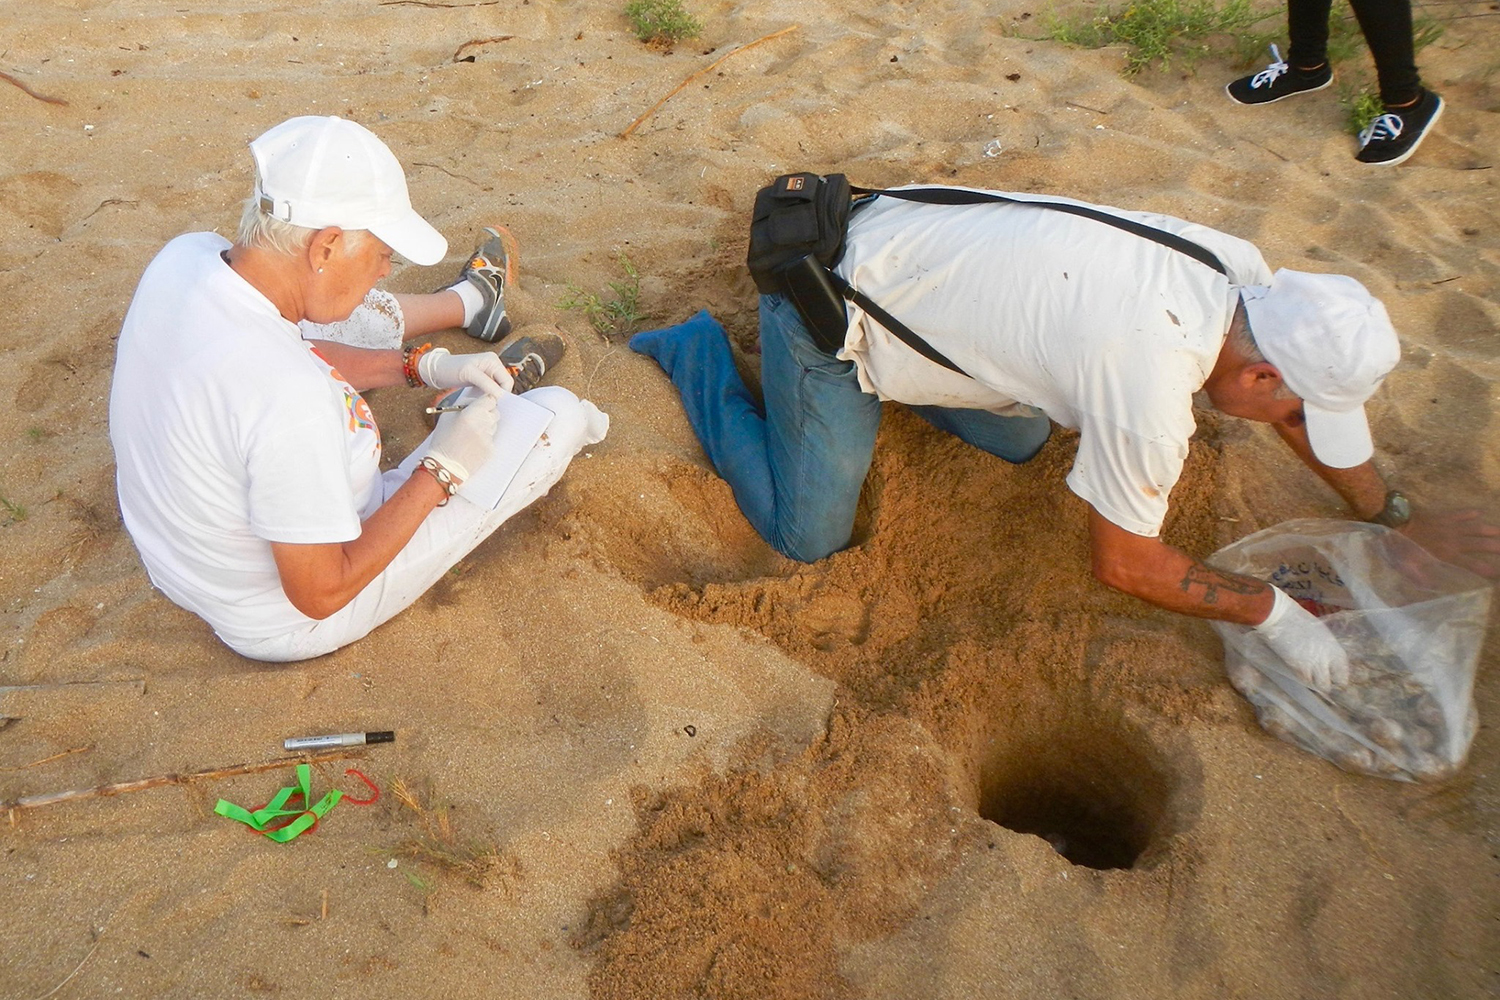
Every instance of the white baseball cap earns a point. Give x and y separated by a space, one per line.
1333 344
316 172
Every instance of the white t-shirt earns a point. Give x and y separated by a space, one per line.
231 432
1104 331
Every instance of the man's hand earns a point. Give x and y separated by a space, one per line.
1462 538
1306 646
484 371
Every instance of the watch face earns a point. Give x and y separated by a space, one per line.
1397 511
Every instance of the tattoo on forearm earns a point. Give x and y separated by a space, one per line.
1212 581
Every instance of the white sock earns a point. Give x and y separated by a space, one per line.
472 297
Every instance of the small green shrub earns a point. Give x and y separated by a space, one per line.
1361 105
14 512
1158 31
610 317
662 20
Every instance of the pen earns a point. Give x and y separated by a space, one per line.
338 740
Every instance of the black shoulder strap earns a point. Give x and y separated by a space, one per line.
959 196
907 336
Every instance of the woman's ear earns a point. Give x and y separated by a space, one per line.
324 246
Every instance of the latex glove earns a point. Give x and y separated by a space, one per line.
463 440
1304 643
484 371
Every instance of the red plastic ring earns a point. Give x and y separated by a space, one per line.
368 784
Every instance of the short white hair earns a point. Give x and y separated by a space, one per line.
264 231
1242 342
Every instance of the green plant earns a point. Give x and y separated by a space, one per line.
662 21
613 317
1361 105
1158 31
16 512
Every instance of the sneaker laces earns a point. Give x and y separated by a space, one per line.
1387 126
1267 76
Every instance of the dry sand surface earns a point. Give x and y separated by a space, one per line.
654 759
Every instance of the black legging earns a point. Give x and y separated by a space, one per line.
1387 28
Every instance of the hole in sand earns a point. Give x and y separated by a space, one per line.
1097 791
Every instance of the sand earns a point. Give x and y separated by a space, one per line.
652 759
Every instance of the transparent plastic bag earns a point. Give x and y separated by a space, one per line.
1411 624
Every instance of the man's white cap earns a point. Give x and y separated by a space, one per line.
1333 344
316 172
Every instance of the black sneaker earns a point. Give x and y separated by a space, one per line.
1395 135
491 267
1278 81
531 358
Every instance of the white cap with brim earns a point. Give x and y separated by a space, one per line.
1333 344
316 172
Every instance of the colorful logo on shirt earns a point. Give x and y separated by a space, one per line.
359 412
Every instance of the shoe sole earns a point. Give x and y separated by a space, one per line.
1260 104
1420 139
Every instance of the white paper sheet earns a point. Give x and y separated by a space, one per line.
521 425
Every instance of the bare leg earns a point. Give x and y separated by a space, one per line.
429 313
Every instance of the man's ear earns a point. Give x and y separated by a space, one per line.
1262 376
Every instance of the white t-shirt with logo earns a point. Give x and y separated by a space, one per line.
230 432
1104 331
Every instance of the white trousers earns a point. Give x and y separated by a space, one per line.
447 535
450 532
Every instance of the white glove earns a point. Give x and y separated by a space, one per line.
484 371
464 439
1306 646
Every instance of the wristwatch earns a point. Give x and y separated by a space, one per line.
1395 513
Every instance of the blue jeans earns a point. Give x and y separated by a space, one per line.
796 466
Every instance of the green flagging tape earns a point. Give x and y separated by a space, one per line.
276 809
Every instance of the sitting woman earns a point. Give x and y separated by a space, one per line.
248 465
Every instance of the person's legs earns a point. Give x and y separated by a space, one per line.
378 322
447 535
1307 29
797 466
1014 438
1386 25
429 313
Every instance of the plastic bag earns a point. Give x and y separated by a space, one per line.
1411 624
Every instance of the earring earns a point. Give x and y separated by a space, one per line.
320 270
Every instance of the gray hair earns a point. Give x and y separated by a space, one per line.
263 231
1242 341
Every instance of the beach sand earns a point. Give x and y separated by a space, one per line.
653 759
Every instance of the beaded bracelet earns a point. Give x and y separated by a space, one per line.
410 358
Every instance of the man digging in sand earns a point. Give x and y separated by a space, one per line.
1049 316
248 464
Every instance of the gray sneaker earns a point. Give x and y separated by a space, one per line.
491 268
531 358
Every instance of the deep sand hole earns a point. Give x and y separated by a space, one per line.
1095 789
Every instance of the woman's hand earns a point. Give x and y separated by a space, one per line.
484 371
463 441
